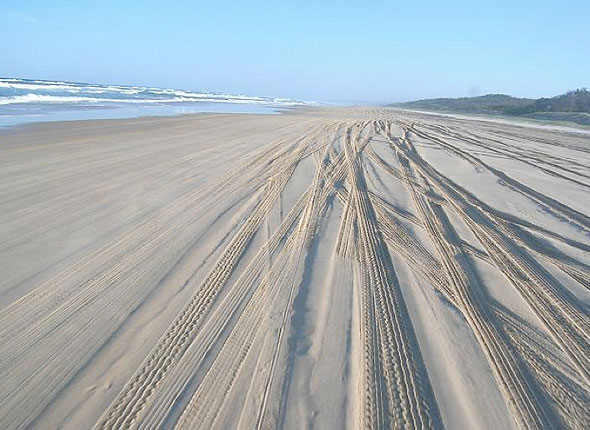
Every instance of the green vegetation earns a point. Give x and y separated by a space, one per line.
572 106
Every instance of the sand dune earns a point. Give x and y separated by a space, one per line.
326 268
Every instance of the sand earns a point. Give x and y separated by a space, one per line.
322 268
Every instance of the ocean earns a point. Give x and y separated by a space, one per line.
27 100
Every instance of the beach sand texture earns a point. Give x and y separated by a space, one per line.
321 268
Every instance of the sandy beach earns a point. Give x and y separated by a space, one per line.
320 268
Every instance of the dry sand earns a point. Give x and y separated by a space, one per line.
326 268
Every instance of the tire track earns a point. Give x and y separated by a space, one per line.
135 396
405 401
65 311
556 308
209 397
528 409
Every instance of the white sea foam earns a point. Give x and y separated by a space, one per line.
42 98
23 91
34 86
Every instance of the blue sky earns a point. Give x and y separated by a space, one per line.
314 50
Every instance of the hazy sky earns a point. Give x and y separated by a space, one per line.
314 50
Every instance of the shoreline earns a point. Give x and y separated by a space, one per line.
130 112
24 127
213 108
29 100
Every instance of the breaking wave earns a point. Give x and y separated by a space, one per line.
25 91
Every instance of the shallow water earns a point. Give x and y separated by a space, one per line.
45 113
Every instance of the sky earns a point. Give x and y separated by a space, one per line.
375 51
